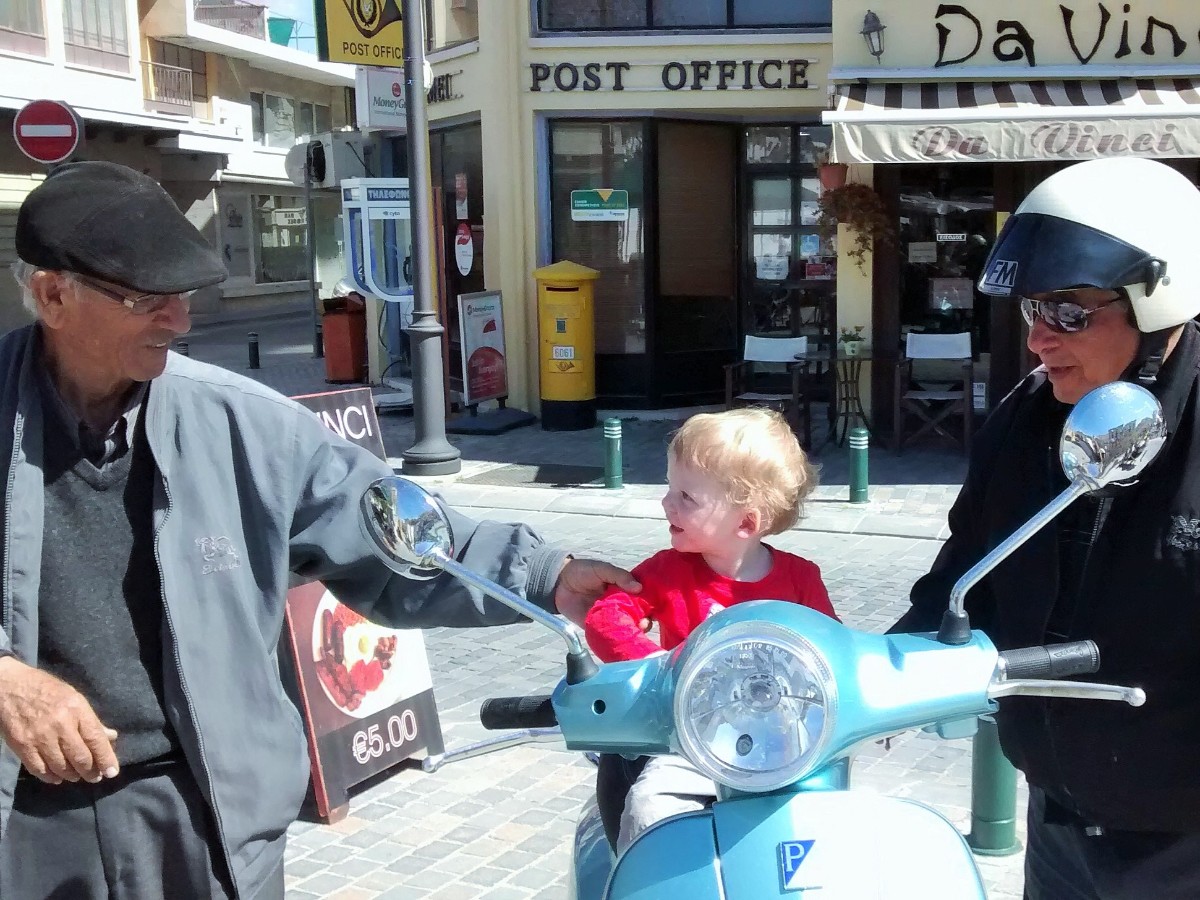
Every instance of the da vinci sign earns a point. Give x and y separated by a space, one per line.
1023 38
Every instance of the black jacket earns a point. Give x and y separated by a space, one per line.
1138 598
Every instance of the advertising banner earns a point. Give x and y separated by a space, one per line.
484 365
365 691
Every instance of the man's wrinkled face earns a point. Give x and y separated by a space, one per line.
107 340
1079 361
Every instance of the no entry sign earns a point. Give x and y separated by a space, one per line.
47 131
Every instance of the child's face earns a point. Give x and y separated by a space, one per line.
701 519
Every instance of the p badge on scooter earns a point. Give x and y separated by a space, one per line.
792 855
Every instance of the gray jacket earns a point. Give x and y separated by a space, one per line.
240 462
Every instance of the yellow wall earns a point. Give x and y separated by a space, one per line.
495 78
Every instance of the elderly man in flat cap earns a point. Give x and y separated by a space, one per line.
149 749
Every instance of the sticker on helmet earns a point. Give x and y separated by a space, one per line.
792 855
1001 276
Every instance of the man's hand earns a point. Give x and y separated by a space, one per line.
582 581
52 727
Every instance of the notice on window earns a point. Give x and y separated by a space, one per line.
922 252
771 268
600 205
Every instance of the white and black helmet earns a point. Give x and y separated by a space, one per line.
1120 224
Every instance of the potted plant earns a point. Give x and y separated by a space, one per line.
859 208
851 340
831 174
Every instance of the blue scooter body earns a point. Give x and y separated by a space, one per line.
813 837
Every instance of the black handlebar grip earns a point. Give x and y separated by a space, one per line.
1052 661
517 712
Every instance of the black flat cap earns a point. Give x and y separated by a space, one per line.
116 224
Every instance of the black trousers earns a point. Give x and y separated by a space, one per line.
615 775
1063 862
146 835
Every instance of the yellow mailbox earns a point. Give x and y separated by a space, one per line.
567 348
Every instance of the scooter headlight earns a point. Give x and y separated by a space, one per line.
755 708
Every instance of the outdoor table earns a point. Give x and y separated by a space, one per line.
847 406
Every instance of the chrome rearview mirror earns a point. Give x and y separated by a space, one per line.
1112 434
406 528
409 532
1110 437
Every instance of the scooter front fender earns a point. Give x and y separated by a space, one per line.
829 846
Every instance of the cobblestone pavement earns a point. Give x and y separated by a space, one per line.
499 826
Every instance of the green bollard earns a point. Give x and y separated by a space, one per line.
858 464
612 453
993 795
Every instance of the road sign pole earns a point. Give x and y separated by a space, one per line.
432 454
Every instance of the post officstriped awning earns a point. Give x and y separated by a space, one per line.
1023 120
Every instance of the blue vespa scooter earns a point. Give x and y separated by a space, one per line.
772 699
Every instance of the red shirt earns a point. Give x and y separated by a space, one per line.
679 591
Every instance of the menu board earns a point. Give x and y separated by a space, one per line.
364 691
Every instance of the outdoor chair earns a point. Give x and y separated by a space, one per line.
934 397
770 375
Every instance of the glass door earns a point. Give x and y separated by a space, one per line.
787 270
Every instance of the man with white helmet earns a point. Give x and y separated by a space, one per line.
1104 259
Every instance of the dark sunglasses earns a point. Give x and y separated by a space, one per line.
1061 316
138 304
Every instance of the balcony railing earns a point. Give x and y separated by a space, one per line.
167 88
249 19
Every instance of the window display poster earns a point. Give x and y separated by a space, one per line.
364 691
951 293
810 245
485 368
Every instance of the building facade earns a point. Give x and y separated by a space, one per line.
197 95
672 146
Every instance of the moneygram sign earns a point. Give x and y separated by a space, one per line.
379 95
360 32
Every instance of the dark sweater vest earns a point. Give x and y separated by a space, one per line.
100 610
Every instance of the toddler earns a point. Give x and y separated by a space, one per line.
732 479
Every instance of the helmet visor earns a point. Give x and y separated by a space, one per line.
1036 253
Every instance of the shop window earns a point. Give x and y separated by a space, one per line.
451 22
280 231
22 28
619 15
788 270
947 226
96 33
588 156
281 121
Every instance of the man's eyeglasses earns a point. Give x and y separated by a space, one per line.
138 304
1061 316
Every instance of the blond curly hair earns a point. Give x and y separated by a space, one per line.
754 455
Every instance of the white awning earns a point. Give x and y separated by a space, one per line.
1024 120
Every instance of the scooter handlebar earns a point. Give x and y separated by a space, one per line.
1052 661
517 712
